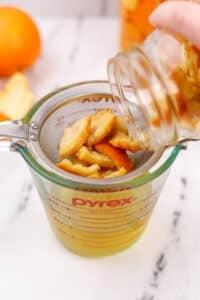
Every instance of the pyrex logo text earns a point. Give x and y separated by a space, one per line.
99 203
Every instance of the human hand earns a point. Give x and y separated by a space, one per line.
181 17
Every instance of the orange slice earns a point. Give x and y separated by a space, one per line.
93 157
102 124
124 142
16 98
119 157
77 168
74 137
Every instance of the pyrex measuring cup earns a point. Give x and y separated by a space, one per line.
90 217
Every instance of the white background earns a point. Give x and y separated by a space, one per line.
67 7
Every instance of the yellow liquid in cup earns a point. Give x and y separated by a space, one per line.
98 224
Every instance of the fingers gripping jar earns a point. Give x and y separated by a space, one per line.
157 87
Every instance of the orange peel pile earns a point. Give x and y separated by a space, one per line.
97 147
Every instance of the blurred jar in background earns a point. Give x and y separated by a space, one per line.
135 25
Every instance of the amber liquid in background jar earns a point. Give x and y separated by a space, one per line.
135 26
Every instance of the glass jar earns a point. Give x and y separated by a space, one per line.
135 25
157 87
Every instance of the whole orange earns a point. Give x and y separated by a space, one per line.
20 41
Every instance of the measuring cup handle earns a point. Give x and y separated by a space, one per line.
11 132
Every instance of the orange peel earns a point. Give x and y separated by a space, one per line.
102 124
119 157
74 137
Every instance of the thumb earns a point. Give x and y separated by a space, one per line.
179 17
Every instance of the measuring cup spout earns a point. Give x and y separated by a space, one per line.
11 132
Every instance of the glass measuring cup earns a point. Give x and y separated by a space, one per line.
90 217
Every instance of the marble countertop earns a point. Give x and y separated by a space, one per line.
163 265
